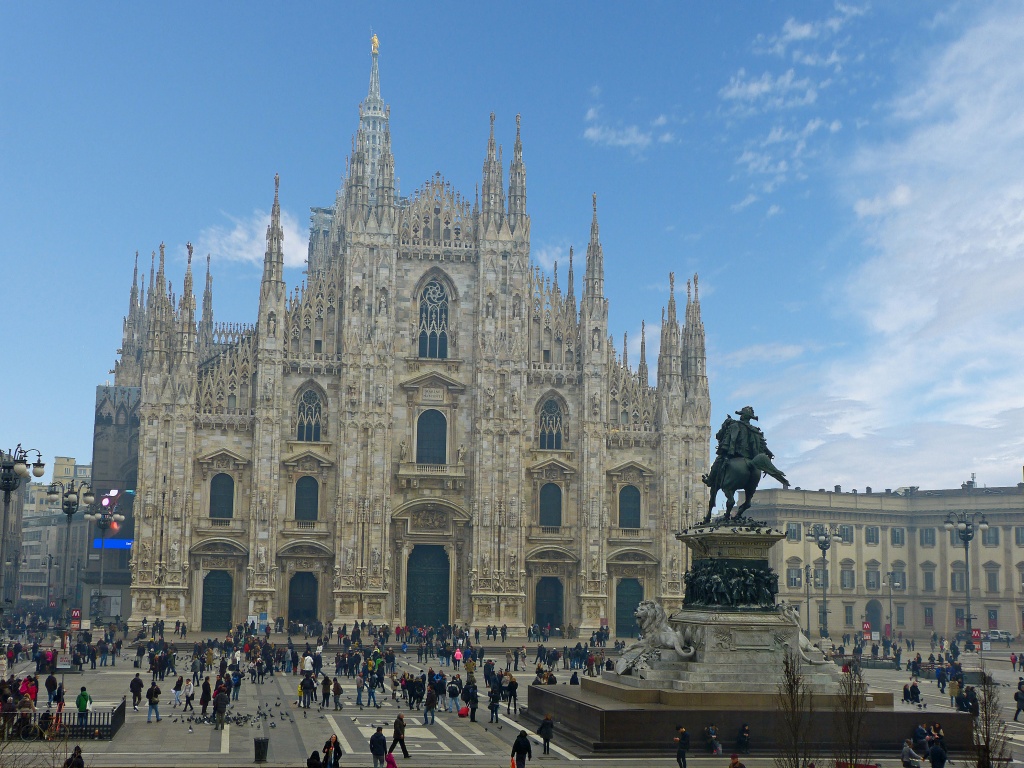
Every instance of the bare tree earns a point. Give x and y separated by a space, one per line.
849 711
47 749
796 709
991 746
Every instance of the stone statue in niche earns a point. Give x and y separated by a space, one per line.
337 577
403 450
511 563
375 560
382 307
460 454
174 554
261 557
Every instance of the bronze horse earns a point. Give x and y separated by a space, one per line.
746 474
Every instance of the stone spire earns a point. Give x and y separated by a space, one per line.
187 318
625 350
273 260
493 203
694 355
517 184
642 368
206 324
373 124
594 282
670 366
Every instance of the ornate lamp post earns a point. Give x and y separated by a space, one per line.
807 584
964 523
890 577
823 535
71 497
104 518
15 468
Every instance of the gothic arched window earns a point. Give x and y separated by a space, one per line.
307 499
432 438
629 507
222 496
433 327
553 426
551 505
310 414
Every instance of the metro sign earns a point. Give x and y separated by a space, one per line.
975 633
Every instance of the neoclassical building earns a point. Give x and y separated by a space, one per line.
428 429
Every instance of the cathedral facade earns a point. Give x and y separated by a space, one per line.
429 429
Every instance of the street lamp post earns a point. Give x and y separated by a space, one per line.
104 519
823 535
890 577
15 468
964 523
807 584
49 567
71 497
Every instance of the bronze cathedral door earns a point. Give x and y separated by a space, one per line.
427 589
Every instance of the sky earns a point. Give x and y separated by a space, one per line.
845 179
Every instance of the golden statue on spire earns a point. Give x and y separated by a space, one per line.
374 44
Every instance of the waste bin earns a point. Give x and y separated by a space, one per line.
262 744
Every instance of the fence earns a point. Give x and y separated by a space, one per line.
69 724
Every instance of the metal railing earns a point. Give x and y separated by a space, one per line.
67 724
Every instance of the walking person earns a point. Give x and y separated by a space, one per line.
220 708
136 686
511 692
153 697
682 741
332 752
379 747
546 731
399 735
206 696
429 706
189 691
178 685
521 749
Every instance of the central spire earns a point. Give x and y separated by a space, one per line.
373 124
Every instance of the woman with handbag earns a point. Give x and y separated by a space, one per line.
189 692
332 752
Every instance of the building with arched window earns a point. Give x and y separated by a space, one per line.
429 429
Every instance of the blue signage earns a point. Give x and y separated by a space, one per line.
112 544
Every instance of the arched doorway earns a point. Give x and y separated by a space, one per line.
628 594
874 615
303 593
218 590
550 596
427 592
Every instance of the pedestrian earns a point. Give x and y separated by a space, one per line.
494 703
220 708
429 705
399 735
1019 698
332 752
136 686
521 749
337 690
189 691
743 739
314 760
76 760
179 684
734 761
206 696
937 755
1013 661
909 757
83 703
153 697
379 747
546 731
682 741
511 692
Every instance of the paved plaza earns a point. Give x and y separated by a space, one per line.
451 741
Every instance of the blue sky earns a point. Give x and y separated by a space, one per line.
845 178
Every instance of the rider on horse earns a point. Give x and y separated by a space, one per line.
736 439
742 455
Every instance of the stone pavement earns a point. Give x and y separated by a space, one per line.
452 741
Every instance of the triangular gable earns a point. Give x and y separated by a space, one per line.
552 463
301 458
223 457
434 379
636 466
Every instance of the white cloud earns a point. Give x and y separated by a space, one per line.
769 91
748 200
630 136
245 239
592 114
773 352
899 197
773 210
666 138
546 255
659 121
928 387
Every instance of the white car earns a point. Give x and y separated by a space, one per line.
998 635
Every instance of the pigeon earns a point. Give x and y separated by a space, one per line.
190 729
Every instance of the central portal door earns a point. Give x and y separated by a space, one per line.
217 593
303 592
549 602
628 595
427 582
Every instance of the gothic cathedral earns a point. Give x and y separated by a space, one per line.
428 430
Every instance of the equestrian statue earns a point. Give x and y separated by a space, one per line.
742 458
